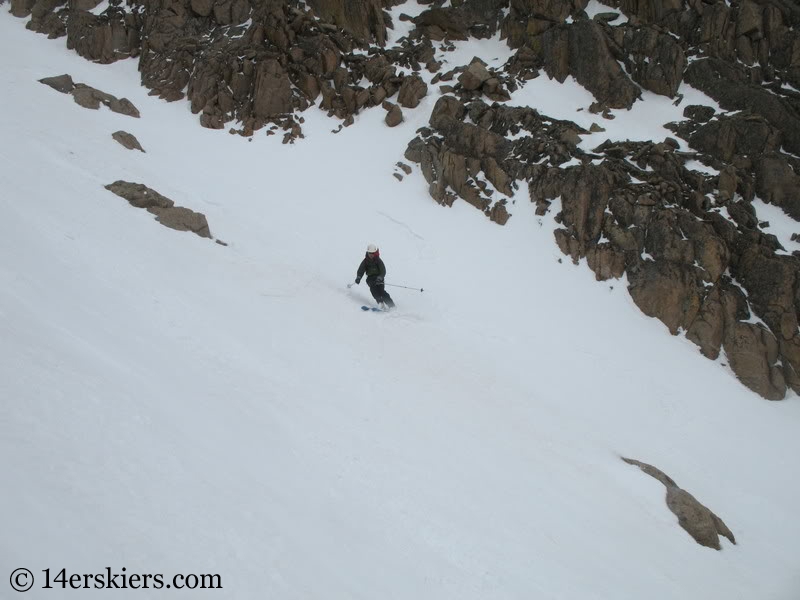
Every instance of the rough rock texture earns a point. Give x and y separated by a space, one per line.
169 215
361 18
688 241
89 97
128 140
698 521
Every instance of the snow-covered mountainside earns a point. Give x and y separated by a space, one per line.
175 406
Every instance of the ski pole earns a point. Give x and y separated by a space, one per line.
404 287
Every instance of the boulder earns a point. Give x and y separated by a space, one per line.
394 116
412 91
127 140
169 215
61 83
698 521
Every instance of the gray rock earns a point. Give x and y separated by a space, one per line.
169 215
61 83
698 521
128 140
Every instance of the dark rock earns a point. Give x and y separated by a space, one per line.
364 19
61 83
272 94
726 137
778 184
474 76
670 292
395 116
21 8
413 90
657 60
698 112
727 85
581 50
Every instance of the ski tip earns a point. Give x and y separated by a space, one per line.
365 308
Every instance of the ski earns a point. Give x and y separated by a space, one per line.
372 308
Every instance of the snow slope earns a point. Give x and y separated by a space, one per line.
170 405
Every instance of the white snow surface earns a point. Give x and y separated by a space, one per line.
170 405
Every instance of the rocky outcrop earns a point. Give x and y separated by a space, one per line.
89 97
363 19
728 85
581 49
688 241
169 215
699 522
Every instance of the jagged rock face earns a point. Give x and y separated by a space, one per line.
643 213
688 242
698 521
655 60
361 18
470 18
581 49
727 85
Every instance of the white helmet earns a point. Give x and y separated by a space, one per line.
372 248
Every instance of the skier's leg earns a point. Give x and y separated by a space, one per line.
375 290
388 299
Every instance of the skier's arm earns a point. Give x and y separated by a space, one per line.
361 269
382 268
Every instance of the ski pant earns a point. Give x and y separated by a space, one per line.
378 292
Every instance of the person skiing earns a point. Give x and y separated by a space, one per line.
375 270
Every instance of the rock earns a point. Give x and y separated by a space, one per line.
777 183
395 116
412 91
169 215
745 135
657 59
21 8
440 23
667 291
606 261
272 94
698 521
475 75
698 112
102 39
128 140
581 50
364 19
182 219
61 83
752 352
726 84
89 97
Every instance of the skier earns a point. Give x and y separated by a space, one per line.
375 270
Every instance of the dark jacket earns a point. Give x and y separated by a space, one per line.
372 267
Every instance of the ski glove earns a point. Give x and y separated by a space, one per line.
358 280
